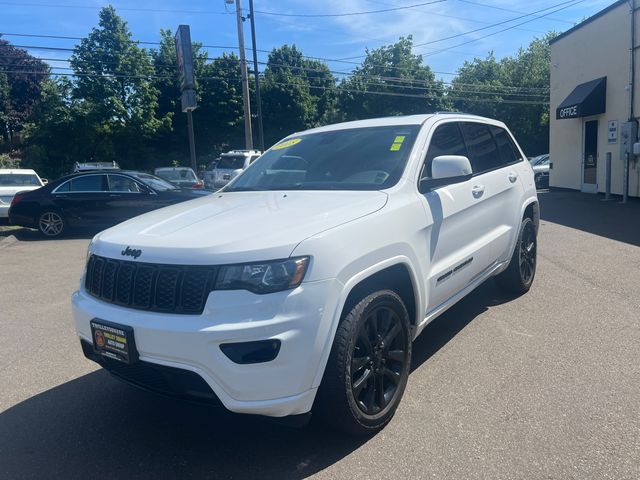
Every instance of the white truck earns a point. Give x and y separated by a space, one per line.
304 282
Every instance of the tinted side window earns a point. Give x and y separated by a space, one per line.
446 140
506 147
119 183
90 183
65 187
483 151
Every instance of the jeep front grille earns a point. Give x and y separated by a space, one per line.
179 289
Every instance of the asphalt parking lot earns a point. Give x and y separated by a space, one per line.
542 386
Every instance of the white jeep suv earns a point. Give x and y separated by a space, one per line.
303 282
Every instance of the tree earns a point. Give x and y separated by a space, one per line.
20 77
391 81
118 99
514 90
53 119
297 92
478 86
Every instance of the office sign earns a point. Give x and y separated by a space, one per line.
572 111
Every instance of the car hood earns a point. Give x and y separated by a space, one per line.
235 227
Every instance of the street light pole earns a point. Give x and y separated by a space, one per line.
248 136
257 77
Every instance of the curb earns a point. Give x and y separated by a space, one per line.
9 240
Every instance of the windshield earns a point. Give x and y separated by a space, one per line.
370 158
177 175
231 162
154 182
19 180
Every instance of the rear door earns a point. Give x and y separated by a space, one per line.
457 247
82 199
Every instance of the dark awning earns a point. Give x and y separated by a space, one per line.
586 99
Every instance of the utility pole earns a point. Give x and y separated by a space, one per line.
248 137
257 77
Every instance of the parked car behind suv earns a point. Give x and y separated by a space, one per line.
304 282
228 166
541 165
183 177
14 180
97 200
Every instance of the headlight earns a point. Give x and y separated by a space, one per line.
265 277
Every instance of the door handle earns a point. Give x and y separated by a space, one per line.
114 195
513 177
477 190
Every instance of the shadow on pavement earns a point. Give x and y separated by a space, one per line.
29 235
96 427
589 213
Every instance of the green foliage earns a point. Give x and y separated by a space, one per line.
522 78
395 71
8 162
297 92
119 105
18 90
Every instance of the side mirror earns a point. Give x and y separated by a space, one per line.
446 170
44 181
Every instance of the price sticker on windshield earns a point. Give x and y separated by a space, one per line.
397 143
287 144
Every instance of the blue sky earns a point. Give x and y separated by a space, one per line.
329 37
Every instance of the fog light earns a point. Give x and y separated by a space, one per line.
251 352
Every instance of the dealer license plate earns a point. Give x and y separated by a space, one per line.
114 341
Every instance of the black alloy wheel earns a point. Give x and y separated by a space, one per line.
527 247
368 367
378 360
519 275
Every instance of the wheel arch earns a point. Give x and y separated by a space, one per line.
396 277
531 209
377 276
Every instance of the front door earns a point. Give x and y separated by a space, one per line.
459 238
590 159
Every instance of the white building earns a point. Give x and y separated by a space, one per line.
593 96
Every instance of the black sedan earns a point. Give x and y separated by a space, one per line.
94 200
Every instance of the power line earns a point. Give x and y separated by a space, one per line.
362 92
512 11
371 82
493 25
498 89
347 14
124 9
504 29
466 19
497 24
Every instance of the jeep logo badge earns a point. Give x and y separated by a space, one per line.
130 252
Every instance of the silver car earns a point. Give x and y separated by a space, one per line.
540 165
228 166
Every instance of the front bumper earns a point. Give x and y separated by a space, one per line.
301 319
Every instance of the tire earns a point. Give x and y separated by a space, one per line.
51 224
368 367
519 275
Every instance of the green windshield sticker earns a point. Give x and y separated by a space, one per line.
286 144
397 143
